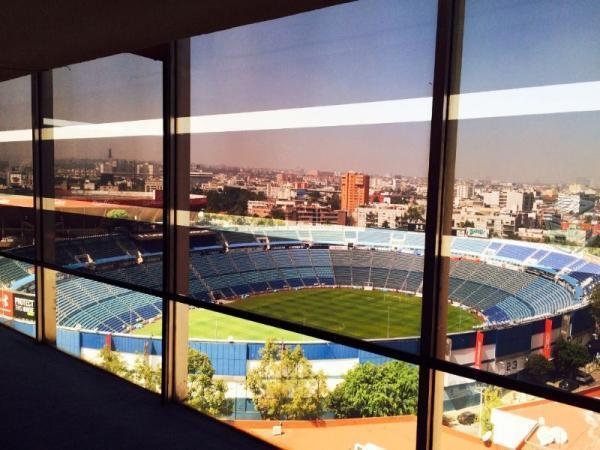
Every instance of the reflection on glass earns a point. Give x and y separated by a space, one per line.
18 305
100 324
16 169
478 415
106 206
525 219
309 144
293 390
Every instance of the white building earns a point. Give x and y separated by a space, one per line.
519 201
463 191
573 204
491 199
380 214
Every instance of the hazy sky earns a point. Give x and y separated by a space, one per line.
369 50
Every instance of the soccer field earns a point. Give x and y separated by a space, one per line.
354 312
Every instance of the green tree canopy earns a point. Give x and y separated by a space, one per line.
569 356
232 200
371 390
112 361
399 200
414 213
491 399
538 367
145 375
595 305
284 386
117 214
595 243
204 392
278 213
314 196
334 202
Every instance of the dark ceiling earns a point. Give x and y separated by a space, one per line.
42 34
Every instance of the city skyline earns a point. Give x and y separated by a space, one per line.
20 162
318 59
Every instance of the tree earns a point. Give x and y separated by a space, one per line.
204 392
112 361
232 200
334 202
469 224
399 200
371 219
145 375
414 214
594 243
314 196
278 213
538 367
370 390
491 399
284 386
117 214
595 305
570 356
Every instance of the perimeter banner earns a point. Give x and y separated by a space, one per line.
478 349
547 338
25 307
6 303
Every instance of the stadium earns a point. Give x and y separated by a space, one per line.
508 298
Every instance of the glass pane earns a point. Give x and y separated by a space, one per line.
18 304
106 127
525 219
309 144
293 390
100 324
478 415
16 168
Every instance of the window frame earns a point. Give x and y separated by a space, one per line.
175 57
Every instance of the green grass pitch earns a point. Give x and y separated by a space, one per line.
353 312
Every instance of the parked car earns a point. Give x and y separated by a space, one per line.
584 378
568 385
466 418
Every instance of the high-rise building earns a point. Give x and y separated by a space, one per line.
574 204
463 190
491 199
519 201
355 190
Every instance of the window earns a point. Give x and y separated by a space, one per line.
291 389
477 413
523 225
102 324
16 167
275 256
18 305
106 203
309 138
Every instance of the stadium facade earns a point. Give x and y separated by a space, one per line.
528 295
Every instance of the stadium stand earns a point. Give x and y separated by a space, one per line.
515 252
383 259
11 270
468 246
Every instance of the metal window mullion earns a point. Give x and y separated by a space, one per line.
43 187
176 170
439 187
